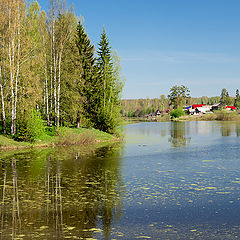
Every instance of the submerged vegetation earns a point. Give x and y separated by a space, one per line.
60 193
51 75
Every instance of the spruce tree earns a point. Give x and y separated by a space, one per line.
111 86
87 82
105 65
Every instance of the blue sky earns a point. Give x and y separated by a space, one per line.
169 42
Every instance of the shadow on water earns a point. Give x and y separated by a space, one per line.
60 193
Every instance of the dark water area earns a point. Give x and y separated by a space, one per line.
174 180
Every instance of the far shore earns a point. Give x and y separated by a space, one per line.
218 116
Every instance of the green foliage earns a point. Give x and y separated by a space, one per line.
225 99
53 69
110 87
72 83
179 96
30 127
176 113
237 100
87 83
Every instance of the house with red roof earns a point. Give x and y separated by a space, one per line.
233 108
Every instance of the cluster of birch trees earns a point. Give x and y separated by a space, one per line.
48 65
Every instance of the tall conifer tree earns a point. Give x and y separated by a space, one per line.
111 86
87 82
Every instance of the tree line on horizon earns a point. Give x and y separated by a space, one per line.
50 71
178 97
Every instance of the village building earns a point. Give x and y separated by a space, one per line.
233 108
158 113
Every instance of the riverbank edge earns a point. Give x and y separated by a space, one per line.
186 118
65 137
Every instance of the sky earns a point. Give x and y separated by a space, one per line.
163 43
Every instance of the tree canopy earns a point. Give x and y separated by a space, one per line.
179 96
48 70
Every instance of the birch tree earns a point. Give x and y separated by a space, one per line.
3 56
60 25
64 30
15 12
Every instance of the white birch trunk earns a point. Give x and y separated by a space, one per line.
46 102
17 72
11 64
55 57
3 101
55 85
59 87
51 83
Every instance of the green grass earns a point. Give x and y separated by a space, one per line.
8 142
63 136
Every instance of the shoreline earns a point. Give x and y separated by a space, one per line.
66 137
186 118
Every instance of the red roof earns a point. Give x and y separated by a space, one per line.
197 105
232 107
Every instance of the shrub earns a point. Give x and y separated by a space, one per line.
29 127
177 113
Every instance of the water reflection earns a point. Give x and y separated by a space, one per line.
60 194
178 136
238 130
229 128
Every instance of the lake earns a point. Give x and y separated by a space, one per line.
173 180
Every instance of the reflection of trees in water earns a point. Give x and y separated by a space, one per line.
228 128
10 208
61 194
177 134
238 129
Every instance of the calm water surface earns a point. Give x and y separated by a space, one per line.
168 181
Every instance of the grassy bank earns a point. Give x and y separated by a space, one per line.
62 137
222 115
